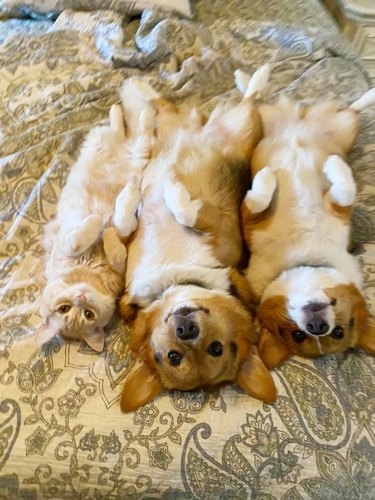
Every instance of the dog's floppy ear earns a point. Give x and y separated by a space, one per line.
127 310
272 312
272 349
363 332
363 325
141 330
255 379
366 340
240 288
141 386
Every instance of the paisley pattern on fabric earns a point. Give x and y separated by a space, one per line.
62 434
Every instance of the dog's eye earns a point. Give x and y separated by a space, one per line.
215 349
337 332
298 336
333 302
89 314
174 358
65 308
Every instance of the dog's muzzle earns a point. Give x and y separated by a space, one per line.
316 318
186 327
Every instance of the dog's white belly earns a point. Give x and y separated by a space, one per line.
302 231
164 253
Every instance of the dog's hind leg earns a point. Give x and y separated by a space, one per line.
343 188
259 197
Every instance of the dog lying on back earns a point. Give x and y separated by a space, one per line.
192 326
296 223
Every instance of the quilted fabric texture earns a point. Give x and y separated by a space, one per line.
61 431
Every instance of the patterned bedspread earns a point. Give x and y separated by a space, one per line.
62 434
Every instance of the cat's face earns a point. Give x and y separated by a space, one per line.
76 311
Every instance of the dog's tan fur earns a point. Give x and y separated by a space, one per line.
183 257
301 227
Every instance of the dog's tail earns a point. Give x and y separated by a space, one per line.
368 99
251 87
137 101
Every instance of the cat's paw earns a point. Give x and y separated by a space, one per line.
91 227
116 120
82 237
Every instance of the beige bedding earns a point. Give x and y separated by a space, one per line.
61 431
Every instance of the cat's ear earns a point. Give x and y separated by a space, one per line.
95 339
45 333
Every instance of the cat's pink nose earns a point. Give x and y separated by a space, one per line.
80 297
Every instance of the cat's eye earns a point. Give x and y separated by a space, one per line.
65 308
337 333
174 358
298 336
89 314
215 349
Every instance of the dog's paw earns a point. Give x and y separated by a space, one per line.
343 187
179 202
127 203
259 197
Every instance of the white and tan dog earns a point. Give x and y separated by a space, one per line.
192 326
296 223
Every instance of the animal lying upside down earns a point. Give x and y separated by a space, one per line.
192 325
296 223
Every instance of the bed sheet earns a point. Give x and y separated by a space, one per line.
62 434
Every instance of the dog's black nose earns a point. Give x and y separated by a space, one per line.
317 325
315 317
186 327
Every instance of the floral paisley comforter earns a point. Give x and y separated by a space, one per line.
62 434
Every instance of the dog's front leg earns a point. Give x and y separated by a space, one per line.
259 197
343 188
114 250
179 202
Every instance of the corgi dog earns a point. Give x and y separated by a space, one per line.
296 224
191 321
